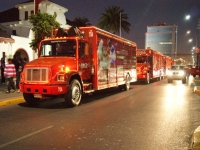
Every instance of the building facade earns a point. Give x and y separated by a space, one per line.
14 22
162 38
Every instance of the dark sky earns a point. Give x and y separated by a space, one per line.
141 13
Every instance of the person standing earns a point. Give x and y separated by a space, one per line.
2 68
10 74
18 72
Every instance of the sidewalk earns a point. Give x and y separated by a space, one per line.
9 98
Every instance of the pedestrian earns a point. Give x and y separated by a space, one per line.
10 74
18 73
3 61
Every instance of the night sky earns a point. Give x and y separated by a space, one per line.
141 13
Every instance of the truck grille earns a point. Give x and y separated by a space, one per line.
36 74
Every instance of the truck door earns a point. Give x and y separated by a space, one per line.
84 60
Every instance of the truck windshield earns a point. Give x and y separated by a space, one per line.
142 59
58 48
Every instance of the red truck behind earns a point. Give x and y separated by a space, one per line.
152 65
77 61
194 70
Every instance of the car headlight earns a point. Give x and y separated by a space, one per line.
181 73
170 73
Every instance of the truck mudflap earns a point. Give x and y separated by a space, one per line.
43 89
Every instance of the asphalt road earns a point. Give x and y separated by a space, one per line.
158 116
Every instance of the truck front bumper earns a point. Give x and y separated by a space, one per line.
44 89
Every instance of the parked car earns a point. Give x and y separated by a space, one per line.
177 72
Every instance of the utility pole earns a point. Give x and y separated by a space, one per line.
120 23
197 42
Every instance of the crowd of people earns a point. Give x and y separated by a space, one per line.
10 72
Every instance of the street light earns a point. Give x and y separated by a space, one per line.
187 17
188 32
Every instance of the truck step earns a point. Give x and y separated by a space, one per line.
87 84
89 91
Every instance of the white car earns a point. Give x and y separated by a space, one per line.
177 73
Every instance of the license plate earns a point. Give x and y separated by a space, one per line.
38 95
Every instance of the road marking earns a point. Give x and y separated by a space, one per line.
23 137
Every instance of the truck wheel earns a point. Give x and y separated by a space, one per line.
159 78
30 99
74 95
169 80
125 86
147 81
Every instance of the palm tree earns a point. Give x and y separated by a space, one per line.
81 22
110 20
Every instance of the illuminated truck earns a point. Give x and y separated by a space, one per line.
168 62
78 61
150 65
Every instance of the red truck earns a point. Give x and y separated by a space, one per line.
77 61
192 70
152 65
168 62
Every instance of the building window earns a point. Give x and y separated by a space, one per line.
32 12
26 15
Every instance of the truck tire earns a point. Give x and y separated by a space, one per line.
194 75
30 99
169 80
74 95
147 81
125 86
159 78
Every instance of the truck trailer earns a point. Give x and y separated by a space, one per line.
77 61
152 65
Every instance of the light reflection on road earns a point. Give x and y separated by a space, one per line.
173 115
174 96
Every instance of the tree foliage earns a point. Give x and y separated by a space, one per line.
43 24
82 22
110 20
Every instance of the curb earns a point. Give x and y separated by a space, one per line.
11 101
195 141
197 80
197 89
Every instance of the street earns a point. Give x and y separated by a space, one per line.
158 116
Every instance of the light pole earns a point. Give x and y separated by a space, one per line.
120 23
194 50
